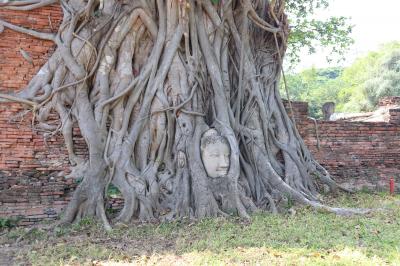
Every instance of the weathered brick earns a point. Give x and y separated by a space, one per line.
355 152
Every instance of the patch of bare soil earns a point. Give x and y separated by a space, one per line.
16 244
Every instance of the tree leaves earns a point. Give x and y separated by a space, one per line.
315 86
355 88
309 33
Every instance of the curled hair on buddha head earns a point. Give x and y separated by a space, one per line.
211 136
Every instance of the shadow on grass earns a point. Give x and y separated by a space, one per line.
306 237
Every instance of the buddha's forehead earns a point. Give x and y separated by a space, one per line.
217 147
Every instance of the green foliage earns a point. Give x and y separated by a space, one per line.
309 33
78 180
315 86
113 191
304 237
386 80
290 201
370 78
8 222
356 88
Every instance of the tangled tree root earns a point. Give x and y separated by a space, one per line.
143 81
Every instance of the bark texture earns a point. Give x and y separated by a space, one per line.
143 80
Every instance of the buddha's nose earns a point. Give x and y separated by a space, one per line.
224 162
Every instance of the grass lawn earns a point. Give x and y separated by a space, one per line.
303 237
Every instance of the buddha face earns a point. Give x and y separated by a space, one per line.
215 154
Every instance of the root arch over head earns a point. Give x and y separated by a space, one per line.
143 81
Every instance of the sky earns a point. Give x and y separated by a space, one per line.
375 22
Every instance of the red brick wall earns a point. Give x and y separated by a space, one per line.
391 100
357 154
15 72
20 147
32 182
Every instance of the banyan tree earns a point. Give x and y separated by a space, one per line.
178 102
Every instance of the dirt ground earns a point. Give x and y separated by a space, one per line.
266 240
19 243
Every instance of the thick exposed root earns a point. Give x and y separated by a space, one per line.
178 104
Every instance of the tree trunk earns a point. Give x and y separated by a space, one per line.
179 106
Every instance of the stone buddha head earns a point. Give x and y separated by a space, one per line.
215 153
